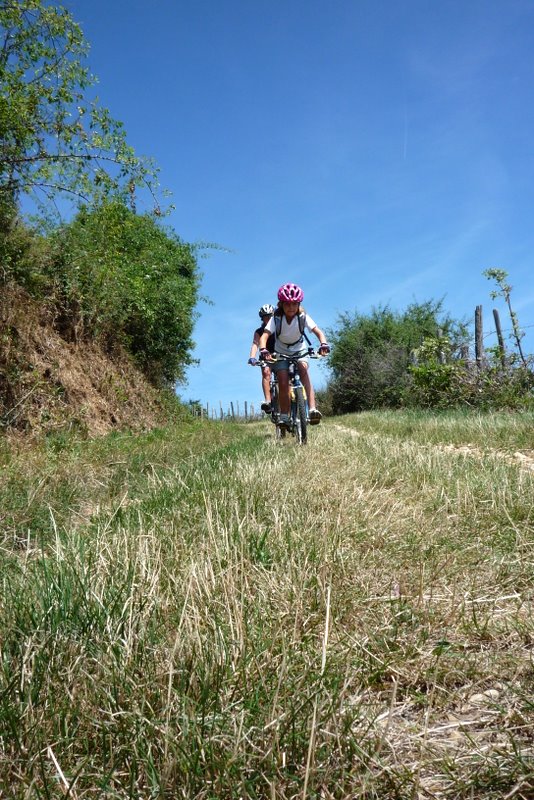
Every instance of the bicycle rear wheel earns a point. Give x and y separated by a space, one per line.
301 417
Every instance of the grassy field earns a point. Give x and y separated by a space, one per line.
201 613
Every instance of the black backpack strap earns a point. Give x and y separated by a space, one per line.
302 326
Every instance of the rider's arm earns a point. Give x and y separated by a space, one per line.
324 348
267 331
264 353
264 338
320 335
254 346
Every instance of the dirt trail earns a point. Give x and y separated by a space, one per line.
523 461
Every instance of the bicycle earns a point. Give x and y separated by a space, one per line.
298 422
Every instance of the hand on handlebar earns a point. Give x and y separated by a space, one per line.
265 355
253 362
324 349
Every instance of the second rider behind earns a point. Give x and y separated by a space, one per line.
288 324
266 311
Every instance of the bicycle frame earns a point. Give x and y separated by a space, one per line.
298 411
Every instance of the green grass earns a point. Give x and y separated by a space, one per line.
499 429
201 613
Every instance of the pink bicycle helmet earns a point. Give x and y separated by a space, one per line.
290 293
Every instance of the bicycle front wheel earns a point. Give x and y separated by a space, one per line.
301 418
279 432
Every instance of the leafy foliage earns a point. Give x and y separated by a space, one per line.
372 353
20 249
441 381
437 381
53 139
109 274
115 277
121 278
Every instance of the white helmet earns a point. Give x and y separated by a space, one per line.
266 311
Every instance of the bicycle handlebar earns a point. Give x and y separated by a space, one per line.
262 362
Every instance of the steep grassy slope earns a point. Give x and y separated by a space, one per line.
48 384
201 613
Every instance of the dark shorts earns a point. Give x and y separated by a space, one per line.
283 364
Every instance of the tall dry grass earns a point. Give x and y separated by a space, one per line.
206 614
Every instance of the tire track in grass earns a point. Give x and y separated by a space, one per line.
517 459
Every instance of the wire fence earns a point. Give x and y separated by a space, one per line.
233 412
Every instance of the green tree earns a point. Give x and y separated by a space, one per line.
372 353
53 139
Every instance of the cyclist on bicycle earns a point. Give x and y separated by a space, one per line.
266 311
288 324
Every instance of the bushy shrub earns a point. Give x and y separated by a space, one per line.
438 380
372 354
23 253
123 278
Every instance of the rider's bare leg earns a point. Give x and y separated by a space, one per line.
305 378
283 386
266 383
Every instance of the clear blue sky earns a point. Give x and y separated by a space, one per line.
373 151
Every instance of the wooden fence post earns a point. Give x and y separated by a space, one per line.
479 343
498 329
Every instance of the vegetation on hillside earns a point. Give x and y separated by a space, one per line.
107 277
114 277
119 277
